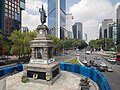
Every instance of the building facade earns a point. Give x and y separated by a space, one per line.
77 30
69 24
106 30
11 15
57 17
114 33
118 25
86 37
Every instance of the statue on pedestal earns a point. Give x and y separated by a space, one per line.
42 15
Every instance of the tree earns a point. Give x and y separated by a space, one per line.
75 43
105 44
57 43
21 42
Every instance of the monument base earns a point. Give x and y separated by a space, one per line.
43 73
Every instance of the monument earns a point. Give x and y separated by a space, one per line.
42 67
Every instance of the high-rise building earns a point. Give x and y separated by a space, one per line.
105 30
118 25
69 33
77 30
114 33
10 15
86 37
57 17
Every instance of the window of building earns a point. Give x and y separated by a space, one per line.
9 16
6 14
6 2
12 13
12 5
6 10
9 3
6 6
12 17
12 9
13 1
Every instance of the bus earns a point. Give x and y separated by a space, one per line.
118 59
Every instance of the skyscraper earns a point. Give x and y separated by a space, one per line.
10 15
106 31
77 30
57 17
69 18
118 25
86 37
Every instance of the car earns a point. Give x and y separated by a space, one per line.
94 65
77 54
97 58
100 68
103 64
109 69
88 52
112 59
85 62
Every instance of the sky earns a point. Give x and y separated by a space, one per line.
89 12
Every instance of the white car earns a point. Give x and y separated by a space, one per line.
88 52
103 64
77 54
109 69
112 59
85 62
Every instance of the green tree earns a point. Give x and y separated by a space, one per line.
21 42
106 44
57 43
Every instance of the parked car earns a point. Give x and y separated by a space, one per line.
97 58
109 69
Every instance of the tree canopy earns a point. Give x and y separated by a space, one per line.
105 44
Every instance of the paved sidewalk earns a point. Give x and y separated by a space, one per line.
67 81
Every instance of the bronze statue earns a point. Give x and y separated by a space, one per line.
42 15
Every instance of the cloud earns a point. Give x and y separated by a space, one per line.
31 16
90 13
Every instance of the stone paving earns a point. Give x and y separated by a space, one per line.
67 81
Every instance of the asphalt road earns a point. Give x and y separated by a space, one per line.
112 77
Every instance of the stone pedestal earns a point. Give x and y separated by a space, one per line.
42 67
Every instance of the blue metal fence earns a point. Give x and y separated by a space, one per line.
10 70
91 73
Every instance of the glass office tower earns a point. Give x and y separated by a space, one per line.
57 17
10 15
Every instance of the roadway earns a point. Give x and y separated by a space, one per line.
112 77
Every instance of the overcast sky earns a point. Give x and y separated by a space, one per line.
89 12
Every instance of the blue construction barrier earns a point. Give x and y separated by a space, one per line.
91 73
10 70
